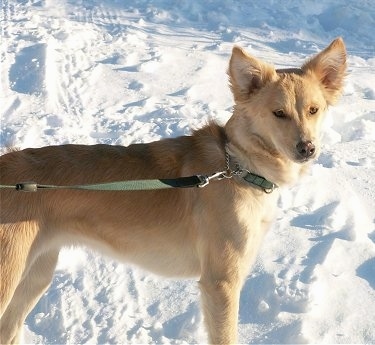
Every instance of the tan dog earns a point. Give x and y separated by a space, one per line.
212 233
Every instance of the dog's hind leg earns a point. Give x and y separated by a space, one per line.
15 242
29 290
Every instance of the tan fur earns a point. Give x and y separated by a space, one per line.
211 233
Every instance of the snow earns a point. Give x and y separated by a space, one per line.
118 72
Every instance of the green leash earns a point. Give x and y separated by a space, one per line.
199 181
133 185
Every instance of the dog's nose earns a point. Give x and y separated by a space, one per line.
306 148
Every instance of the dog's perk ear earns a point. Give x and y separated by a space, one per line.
330 68
247 74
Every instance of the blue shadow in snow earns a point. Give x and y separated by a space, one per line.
367 272
27 74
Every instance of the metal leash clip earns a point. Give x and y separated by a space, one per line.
216 176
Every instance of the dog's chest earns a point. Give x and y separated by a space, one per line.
255 212
254 216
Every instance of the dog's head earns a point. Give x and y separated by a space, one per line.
284 108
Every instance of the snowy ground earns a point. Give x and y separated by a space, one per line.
117 72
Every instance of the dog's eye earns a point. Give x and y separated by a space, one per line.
280 113
313 110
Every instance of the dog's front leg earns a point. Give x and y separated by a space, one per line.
220 301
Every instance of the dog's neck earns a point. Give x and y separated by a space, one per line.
255 156
263 160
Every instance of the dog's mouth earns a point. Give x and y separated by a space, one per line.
302 160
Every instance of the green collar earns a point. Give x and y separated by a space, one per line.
249 177
259 181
